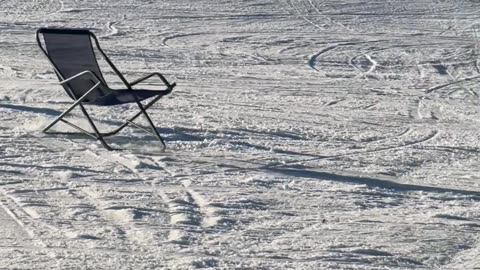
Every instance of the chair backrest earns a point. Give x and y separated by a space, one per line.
71 51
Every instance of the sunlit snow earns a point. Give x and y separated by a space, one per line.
303 134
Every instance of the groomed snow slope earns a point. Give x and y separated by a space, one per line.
303 134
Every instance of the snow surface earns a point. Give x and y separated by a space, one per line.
303 134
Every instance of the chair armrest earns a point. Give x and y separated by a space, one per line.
169 86
81 74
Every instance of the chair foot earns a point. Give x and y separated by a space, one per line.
104 144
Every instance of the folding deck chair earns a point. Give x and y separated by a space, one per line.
71 53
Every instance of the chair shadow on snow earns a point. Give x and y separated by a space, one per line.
178 133
45 111
369 181
188 135
60 168
37 110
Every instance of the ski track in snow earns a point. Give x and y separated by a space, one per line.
269 165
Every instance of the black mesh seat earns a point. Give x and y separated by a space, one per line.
125 96
72 55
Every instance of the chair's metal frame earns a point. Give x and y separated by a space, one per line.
78 101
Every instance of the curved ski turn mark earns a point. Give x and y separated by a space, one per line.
313 60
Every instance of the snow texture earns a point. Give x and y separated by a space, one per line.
303 134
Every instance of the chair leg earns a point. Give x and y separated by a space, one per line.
96 135
60 117
99 135
155 131
131 119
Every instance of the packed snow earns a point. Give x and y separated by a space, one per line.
303 134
